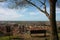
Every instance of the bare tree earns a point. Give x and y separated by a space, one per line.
51 17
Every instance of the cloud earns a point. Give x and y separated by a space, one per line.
11 14
57 10
33 13
36 13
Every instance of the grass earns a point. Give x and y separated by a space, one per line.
31 38
4 38
7 37
59 35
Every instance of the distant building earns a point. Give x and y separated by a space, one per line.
16 29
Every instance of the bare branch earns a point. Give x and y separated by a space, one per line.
45 12
45 9
41 2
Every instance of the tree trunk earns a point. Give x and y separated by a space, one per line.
53 20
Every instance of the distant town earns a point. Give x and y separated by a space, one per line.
14 28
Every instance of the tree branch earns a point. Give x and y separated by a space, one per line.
45 8
45 12
41 2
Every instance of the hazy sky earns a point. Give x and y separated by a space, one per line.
24 14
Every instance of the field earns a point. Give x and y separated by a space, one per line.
26 37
